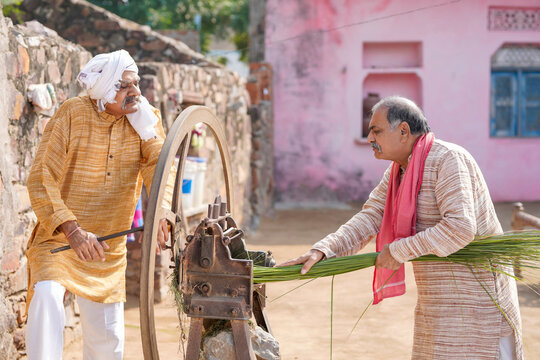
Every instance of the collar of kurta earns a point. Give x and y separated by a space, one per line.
109 118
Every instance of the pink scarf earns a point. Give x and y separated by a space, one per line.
399 218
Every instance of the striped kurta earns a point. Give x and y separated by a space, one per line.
89 167
455 318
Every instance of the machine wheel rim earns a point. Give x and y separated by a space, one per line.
177 139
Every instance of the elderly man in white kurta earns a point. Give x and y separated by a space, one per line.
455 317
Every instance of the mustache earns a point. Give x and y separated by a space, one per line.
376 146
128 100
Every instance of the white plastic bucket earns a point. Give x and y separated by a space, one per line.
198 181
188 181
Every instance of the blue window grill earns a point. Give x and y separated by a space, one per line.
515 91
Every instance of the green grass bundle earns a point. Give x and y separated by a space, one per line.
511 248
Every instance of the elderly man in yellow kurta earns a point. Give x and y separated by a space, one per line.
85 181
431 200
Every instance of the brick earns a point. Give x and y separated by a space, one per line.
106 25
19 280
10 261
256 144
34 41
137 34
20 311
73 31
71 318
66 76
19 230
60 96
151 95
84 57
154 45
42 123
132 42
8 322
254 92
72 335
40 56
22 197
116 41
76 308
18 339
18 102
1 184
12 65
88 40
85 11
53 72
136 254
24 60
254 180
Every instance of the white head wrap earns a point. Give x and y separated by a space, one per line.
101 79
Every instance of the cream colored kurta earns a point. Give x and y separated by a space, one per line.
89 167
455 317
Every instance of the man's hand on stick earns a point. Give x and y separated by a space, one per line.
162 236
309 259
84 243
386 260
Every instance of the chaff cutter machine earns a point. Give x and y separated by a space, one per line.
215 270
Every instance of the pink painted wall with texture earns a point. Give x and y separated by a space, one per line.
442 61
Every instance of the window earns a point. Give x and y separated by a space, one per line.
515 93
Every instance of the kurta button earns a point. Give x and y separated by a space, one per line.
111 156
109 174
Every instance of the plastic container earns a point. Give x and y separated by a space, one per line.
198 181
188 181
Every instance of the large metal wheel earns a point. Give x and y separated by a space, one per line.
177 142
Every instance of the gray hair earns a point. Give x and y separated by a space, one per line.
402 109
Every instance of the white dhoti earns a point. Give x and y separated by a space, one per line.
102 325
507 348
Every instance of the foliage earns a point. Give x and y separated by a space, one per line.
219 18
223 60
10 8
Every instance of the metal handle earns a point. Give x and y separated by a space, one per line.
103 238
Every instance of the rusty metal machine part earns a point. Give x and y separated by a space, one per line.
213 284
177 142
216 285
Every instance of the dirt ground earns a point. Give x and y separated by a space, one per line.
300 320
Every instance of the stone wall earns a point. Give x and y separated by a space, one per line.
101 31
32 54
171 87
257 30
259 86
191 38
222 91
8 220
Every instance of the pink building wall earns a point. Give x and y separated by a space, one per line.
442 62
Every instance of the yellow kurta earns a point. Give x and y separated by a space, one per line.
89 167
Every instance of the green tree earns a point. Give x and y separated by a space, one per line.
10 8
225 19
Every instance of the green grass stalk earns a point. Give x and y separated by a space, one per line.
491 251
